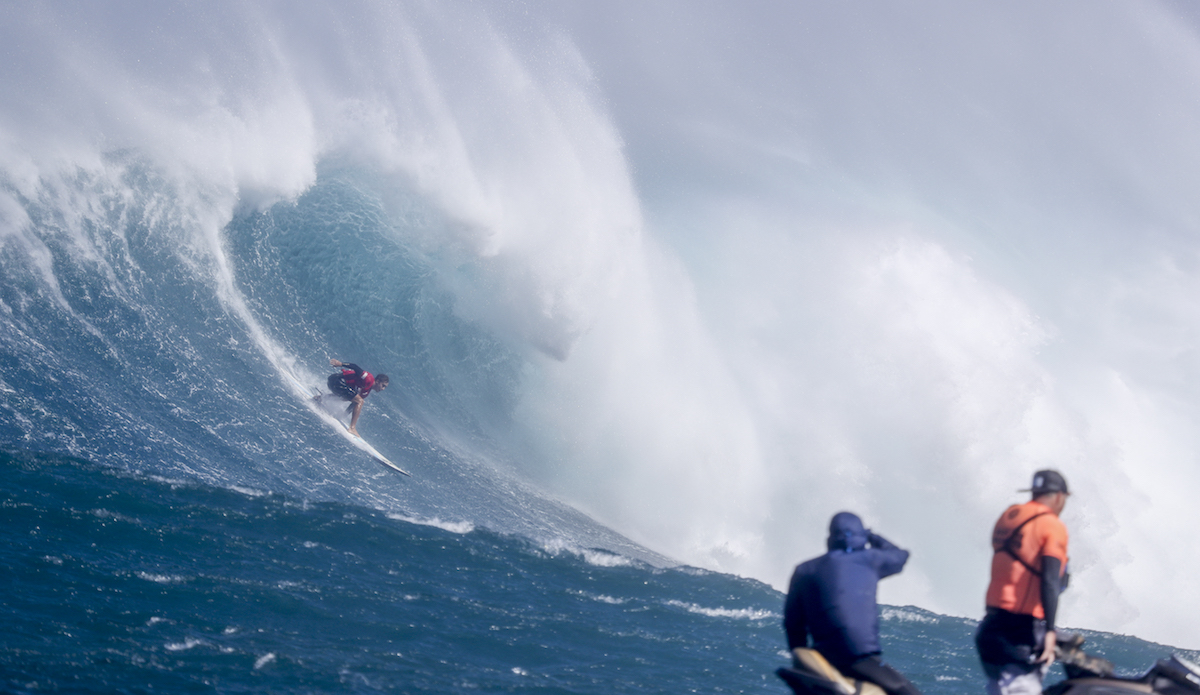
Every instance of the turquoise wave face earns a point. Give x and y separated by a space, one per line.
128 341
336 272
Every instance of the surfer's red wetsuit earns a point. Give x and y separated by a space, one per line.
354 384
353 381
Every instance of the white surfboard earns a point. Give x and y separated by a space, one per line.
333 411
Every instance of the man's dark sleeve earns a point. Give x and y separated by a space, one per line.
358 371
1051 587
889 559
795 621
878 541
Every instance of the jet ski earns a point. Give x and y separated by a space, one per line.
1091 675
811 674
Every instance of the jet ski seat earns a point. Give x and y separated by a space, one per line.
811 674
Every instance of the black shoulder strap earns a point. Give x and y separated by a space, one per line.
1007 547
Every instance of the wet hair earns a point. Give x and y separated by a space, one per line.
382 379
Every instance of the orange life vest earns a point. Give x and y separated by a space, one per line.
1024 534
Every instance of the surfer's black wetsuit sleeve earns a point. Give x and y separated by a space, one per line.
1051 587
358 371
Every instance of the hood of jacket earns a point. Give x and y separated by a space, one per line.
846 532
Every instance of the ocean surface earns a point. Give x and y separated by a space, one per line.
119 581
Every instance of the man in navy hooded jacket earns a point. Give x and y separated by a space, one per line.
832 599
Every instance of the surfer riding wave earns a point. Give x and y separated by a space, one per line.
354 384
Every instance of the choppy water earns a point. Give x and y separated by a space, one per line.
121 582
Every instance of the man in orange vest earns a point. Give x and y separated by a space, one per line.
1016 638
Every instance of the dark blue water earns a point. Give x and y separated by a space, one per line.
121 582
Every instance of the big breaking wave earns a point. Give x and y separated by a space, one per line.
709 277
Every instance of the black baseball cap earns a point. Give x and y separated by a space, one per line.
1047 482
